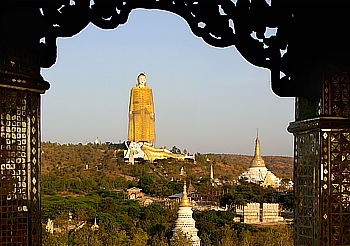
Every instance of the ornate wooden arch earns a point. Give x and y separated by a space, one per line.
310 32
307 57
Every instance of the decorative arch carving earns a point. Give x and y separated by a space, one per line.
305 32
308 57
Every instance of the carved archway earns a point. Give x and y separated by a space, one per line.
308 59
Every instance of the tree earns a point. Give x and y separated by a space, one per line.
86 236
55 239
115 238
287 200
175 150
107 205
228 236
232 200
159 240
205 239
180 239
138 237
147 184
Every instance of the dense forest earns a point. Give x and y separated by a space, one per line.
84 183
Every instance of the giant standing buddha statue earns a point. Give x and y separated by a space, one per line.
141 113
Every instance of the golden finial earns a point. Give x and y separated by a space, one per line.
185 202
257 160
257 144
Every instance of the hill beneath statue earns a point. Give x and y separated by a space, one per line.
72 159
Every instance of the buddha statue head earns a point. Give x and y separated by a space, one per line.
141 80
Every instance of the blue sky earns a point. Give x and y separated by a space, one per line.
207 100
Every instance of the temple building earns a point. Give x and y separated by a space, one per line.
185 222
213 181
253 213
49 226
95 226
257 172
135 193
97 141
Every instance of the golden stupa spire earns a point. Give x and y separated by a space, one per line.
257 144
257 160
185 202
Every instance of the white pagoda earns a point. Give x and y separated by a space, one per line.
257 172
185 222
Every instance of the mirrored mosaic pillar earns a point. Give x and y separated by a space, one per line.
322 163
21 87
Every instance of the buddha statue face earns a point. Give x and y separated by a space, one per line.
141 80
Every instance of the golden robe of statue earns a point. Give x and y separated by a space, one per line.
141 113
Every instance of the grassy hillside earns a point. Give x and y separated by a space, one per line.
73 161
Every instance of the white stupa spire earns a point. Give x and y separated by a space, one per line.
184 221
257 171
